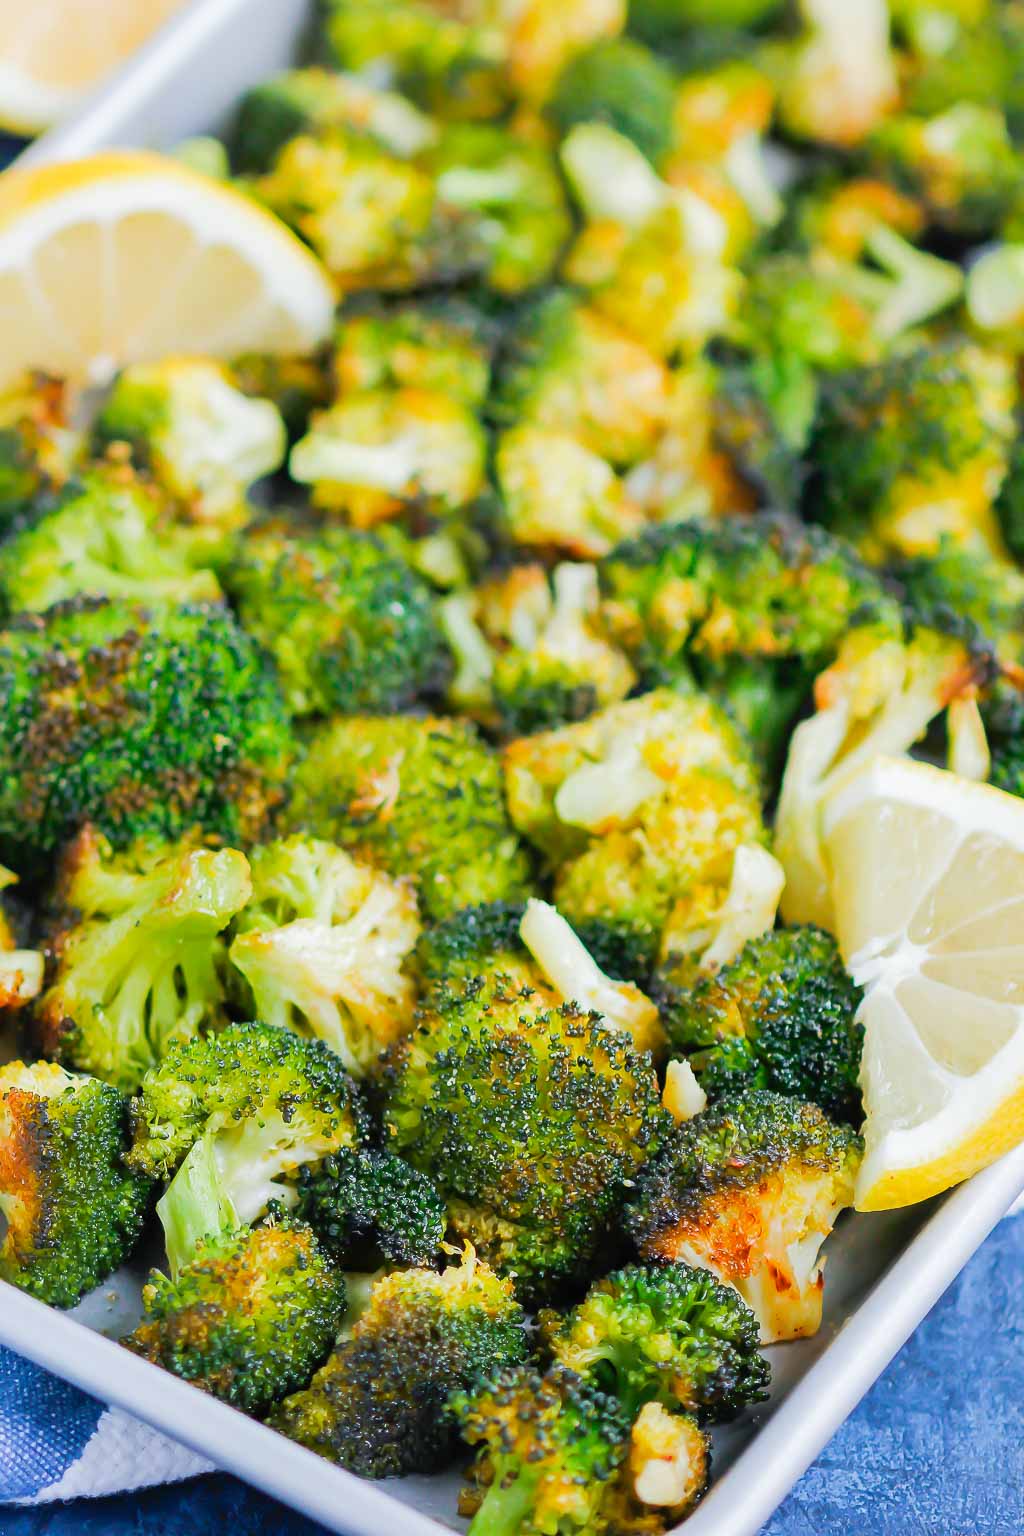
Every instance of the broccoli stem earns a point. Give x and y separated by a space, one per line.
195 1207
505 1509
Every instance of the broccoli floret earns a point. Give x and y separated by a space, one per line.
557 1454
416 797
529 1117
39 449
640 810
559 495
838 77
962 164
509 193
915 449
308 101
372 1200
107 536
204 441
145 723
350 625
380 1404
71 1210
322 945
621 83
529 649
376 452
567 369
138 953
443 345
781 1015
670 1334
249 1319
970 593
749 1190
476 941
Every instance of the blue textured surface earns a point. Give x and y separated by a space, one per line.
936 1449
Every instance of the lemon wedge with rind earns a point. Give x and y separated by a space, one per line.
129 257
928 886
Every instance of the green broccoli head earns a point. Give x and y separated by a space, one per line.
249 1319
71 1209
639 810
961 163
554 1452
915 449
475 941
380 1404
781 1015
350 625
144 722
39 449
667 1334
530 1117
204 441
372 1201
622 83
441 344
749 1190
417 797
107 535
138 953
323 946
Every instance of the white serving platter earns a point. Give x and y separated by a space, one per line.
884 1272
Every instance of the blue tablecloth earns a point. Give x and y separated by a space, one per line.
936 1449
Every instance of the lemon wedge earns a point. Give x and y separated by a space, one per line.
927 875
129 257
55 51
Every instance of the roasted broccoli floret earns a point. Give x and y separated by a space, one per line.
372 1201
567 369
350 625
71 1210
145 723
967 592
962 164
557 1454
530 1117
322 945
39 449
781 1015
838 77
249 1319
639 810
621 83
441 344
416 797
750 1189
380 1404
379 451
138 953
915 449
559 495
108 536
204 441
529 649
667 1334
962 52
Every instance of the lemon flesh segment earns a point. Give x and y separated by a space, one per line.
129 257
56 51
928 883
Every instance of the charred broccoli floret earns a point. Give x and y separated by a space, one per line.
139 953
667 1334
323 944
530 1118
204 441
557 1454
559 495
441 344
640 810
619 82
380 1404
372 1200
961 163
108 536
380 451
72 1211
146 723
749 1190
915 450
416 797
39 449
781 1015
529 649
967 592
249 1319
349 624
